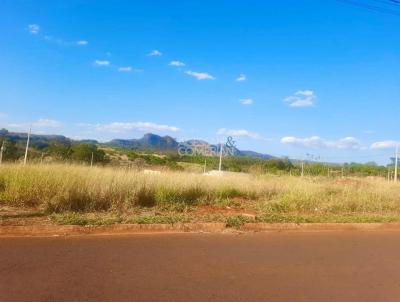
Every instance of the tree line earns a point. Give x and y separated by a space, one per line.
82 152
62 151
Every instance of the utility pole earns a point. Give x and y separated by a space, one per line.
1 152
91 161
302 168
205 159
220 158
27 145
395 163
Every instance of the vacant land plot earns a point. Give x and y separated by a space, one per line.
72 194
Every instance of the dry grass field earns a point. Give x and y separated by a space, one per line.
72 194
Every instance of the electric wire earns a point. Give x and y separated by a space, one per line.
375 8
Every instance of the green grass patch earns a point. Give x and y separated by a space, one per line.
72 218
154 219
326 218
237 221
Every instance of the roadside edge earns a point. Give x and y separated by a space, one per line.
121 229
73 230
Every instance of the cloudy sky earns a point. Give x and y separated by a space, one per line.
283 77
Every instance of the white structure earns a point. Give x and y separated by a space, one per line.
151 172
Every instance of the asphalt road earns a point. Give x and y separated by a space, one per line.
325 266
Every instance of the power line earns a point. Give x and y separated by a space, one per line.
389 2
375 8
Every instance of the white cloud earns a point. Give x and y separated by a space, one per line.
2 115
347 143
241 78
125 69
82 42
314 141
56 40
60 41
318 142
33 29
246 101
238 133
16 126
118 127
41 123
155 53
200 75
389 144
47 123
176 63
102 63
301 98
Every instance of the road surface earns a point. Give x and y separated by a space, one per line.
315 266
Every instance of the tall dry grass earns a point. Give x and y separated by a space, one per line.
60 188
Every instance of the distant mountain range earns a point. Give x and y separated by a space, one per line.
37 140
149 141
167 143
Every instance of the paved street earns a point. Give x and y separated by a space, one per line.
324 266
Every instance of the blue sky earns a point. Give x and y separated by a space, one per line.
283 77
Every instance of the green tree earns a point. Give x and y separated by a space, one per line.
11 152
83 153
276 164
60 150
